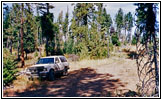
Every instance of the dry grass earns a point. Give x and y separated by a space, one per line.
118 65
21 84
124 69
89 63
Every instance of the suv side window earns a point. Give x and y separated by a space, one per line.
57 60
63 59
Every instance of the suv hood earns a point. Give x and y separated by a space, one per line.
40 65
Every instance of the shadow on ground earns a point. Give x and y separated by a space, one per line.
84 82
131 54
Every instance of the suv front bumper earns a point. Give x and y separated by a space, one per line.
36 75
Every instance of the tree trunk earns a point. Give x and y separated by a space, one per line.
7 42
118 34
11 47
130 37
40 52
26 55
22 50
156 64
40 42
18 44
18 56
108 53
125 34
110 39
47 46
47 8
38 34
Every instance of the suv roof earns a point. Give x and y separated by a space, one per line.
52 56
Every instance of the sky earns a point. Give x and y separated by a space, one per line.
62 7
111 8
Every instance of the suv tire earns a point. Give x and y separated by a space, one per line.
65 72
51 75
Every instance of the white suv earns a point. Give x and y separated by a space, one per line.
48 67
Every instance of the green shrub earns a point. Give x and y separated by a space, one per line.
6 52
110 47
118 43
125 42
82 50
103 52
58 51
98 52
69 47
134 41
9 70
36 54
115 40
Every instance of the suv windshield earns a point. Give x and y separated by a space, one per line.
46 61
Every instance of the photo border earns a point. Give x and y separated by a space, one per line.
79 97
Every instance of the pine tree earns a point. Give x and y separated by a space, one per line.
47 25
103 25
11 27
21 32
128 24
30 43
66 23
119 21
72 33
21 26
146 23
59 44
82 14
6 23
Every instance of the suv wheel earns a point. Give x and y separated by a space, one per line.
51 75
65 72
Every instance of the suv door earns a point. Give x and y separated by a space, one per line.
59 64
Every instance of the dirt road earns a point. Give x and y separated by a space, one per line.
94 78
